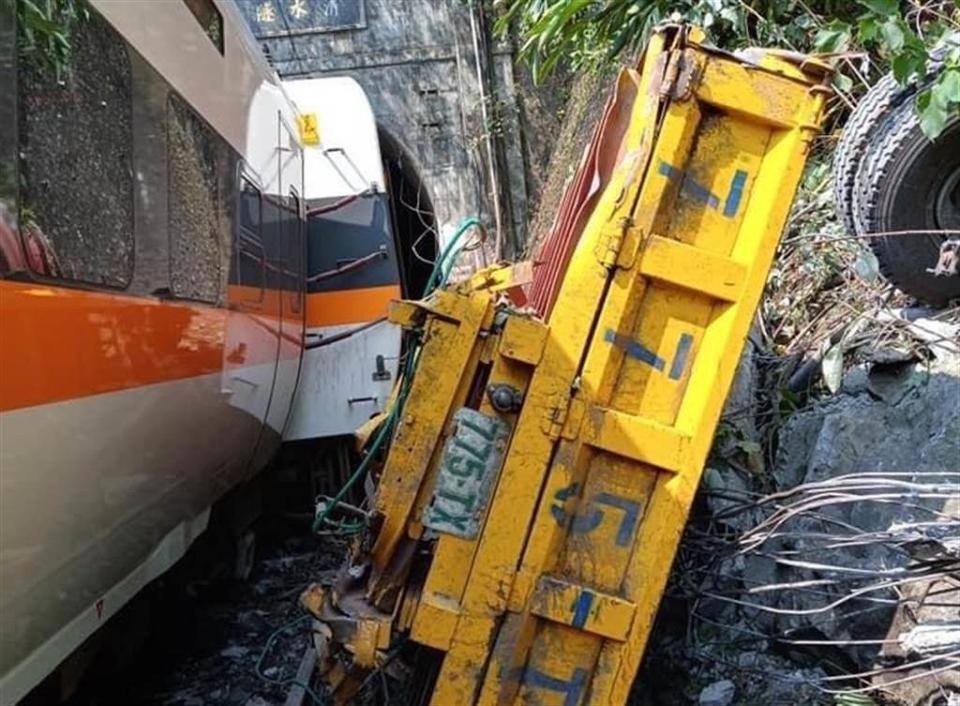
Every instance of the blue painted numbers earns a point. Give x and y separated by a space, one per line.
571 688
701 194
595 512
637 350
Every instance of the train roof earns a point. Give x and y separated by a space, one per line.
220 79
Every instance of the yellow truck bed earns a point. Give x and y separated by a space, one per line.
541 472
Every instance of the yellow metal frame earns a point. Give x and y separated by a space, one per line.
553 601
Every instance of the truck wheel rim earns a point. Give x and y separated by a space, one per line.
947 209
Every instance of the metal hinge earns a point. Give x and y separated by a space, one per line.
564 415
611 250
611 242
681 75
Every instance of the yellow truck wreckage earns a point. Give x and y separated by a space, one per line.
540 472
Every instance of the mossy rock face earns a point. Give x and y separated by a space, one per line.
558 119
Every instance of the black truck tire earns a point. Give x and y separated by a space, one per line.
889 177
910 185
854 140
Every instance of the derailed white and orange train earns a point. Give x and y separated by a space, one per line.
185 281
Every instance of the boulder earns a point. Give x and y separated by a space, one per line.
829 574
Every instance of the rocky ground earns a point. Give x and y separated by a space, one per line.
819 558
221 641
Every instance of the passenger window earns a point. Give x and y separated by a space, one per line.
74 136
196 213
249 253
10 258
210 19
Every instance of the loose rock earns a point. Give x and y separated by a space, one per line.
719 693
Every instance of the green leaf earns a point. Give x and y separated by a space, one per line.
908 64
947 88
912 41
892 34
884 8
833 37
843 83
732 15
933 114
869 29
938 96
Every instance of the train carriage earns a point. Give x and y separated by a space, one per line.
155 276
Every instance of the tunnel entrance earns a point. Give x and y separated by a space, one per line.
412 215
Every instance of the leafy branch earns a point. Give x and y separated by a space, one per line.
44 28
909 37
920 43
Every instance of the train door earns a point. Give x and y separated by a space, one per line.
288 269
250 349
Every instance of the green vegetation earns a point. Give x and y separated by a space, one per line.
44 28
867 36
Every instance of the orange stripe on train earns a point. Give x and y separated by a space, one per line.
349 306
58 344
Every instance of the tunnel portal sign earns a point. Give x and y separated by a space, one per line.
274 18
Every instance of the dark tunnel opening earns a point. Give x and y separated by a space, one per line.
412 215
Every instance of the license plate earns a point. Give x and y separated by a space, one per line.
470 463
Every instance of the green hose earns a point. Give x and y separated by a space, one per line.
441 271
438 278
319 520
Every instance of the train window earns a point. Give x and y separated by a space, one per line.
210 20
9 247
294 252
196 212
74 135
249 262
271 228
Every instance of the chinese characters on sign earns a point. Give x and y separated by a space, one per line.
269 18
266 14
298 10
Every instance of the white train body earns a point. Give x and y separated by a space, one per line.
156 301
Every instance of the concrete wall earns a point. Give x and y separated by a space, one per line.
418 63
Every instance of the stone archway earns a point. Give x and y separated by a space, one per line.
412 214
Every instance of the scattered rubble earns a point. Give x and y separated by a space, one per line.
821 565
211 635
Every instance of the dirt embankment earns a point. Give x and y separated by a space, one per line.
557 118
